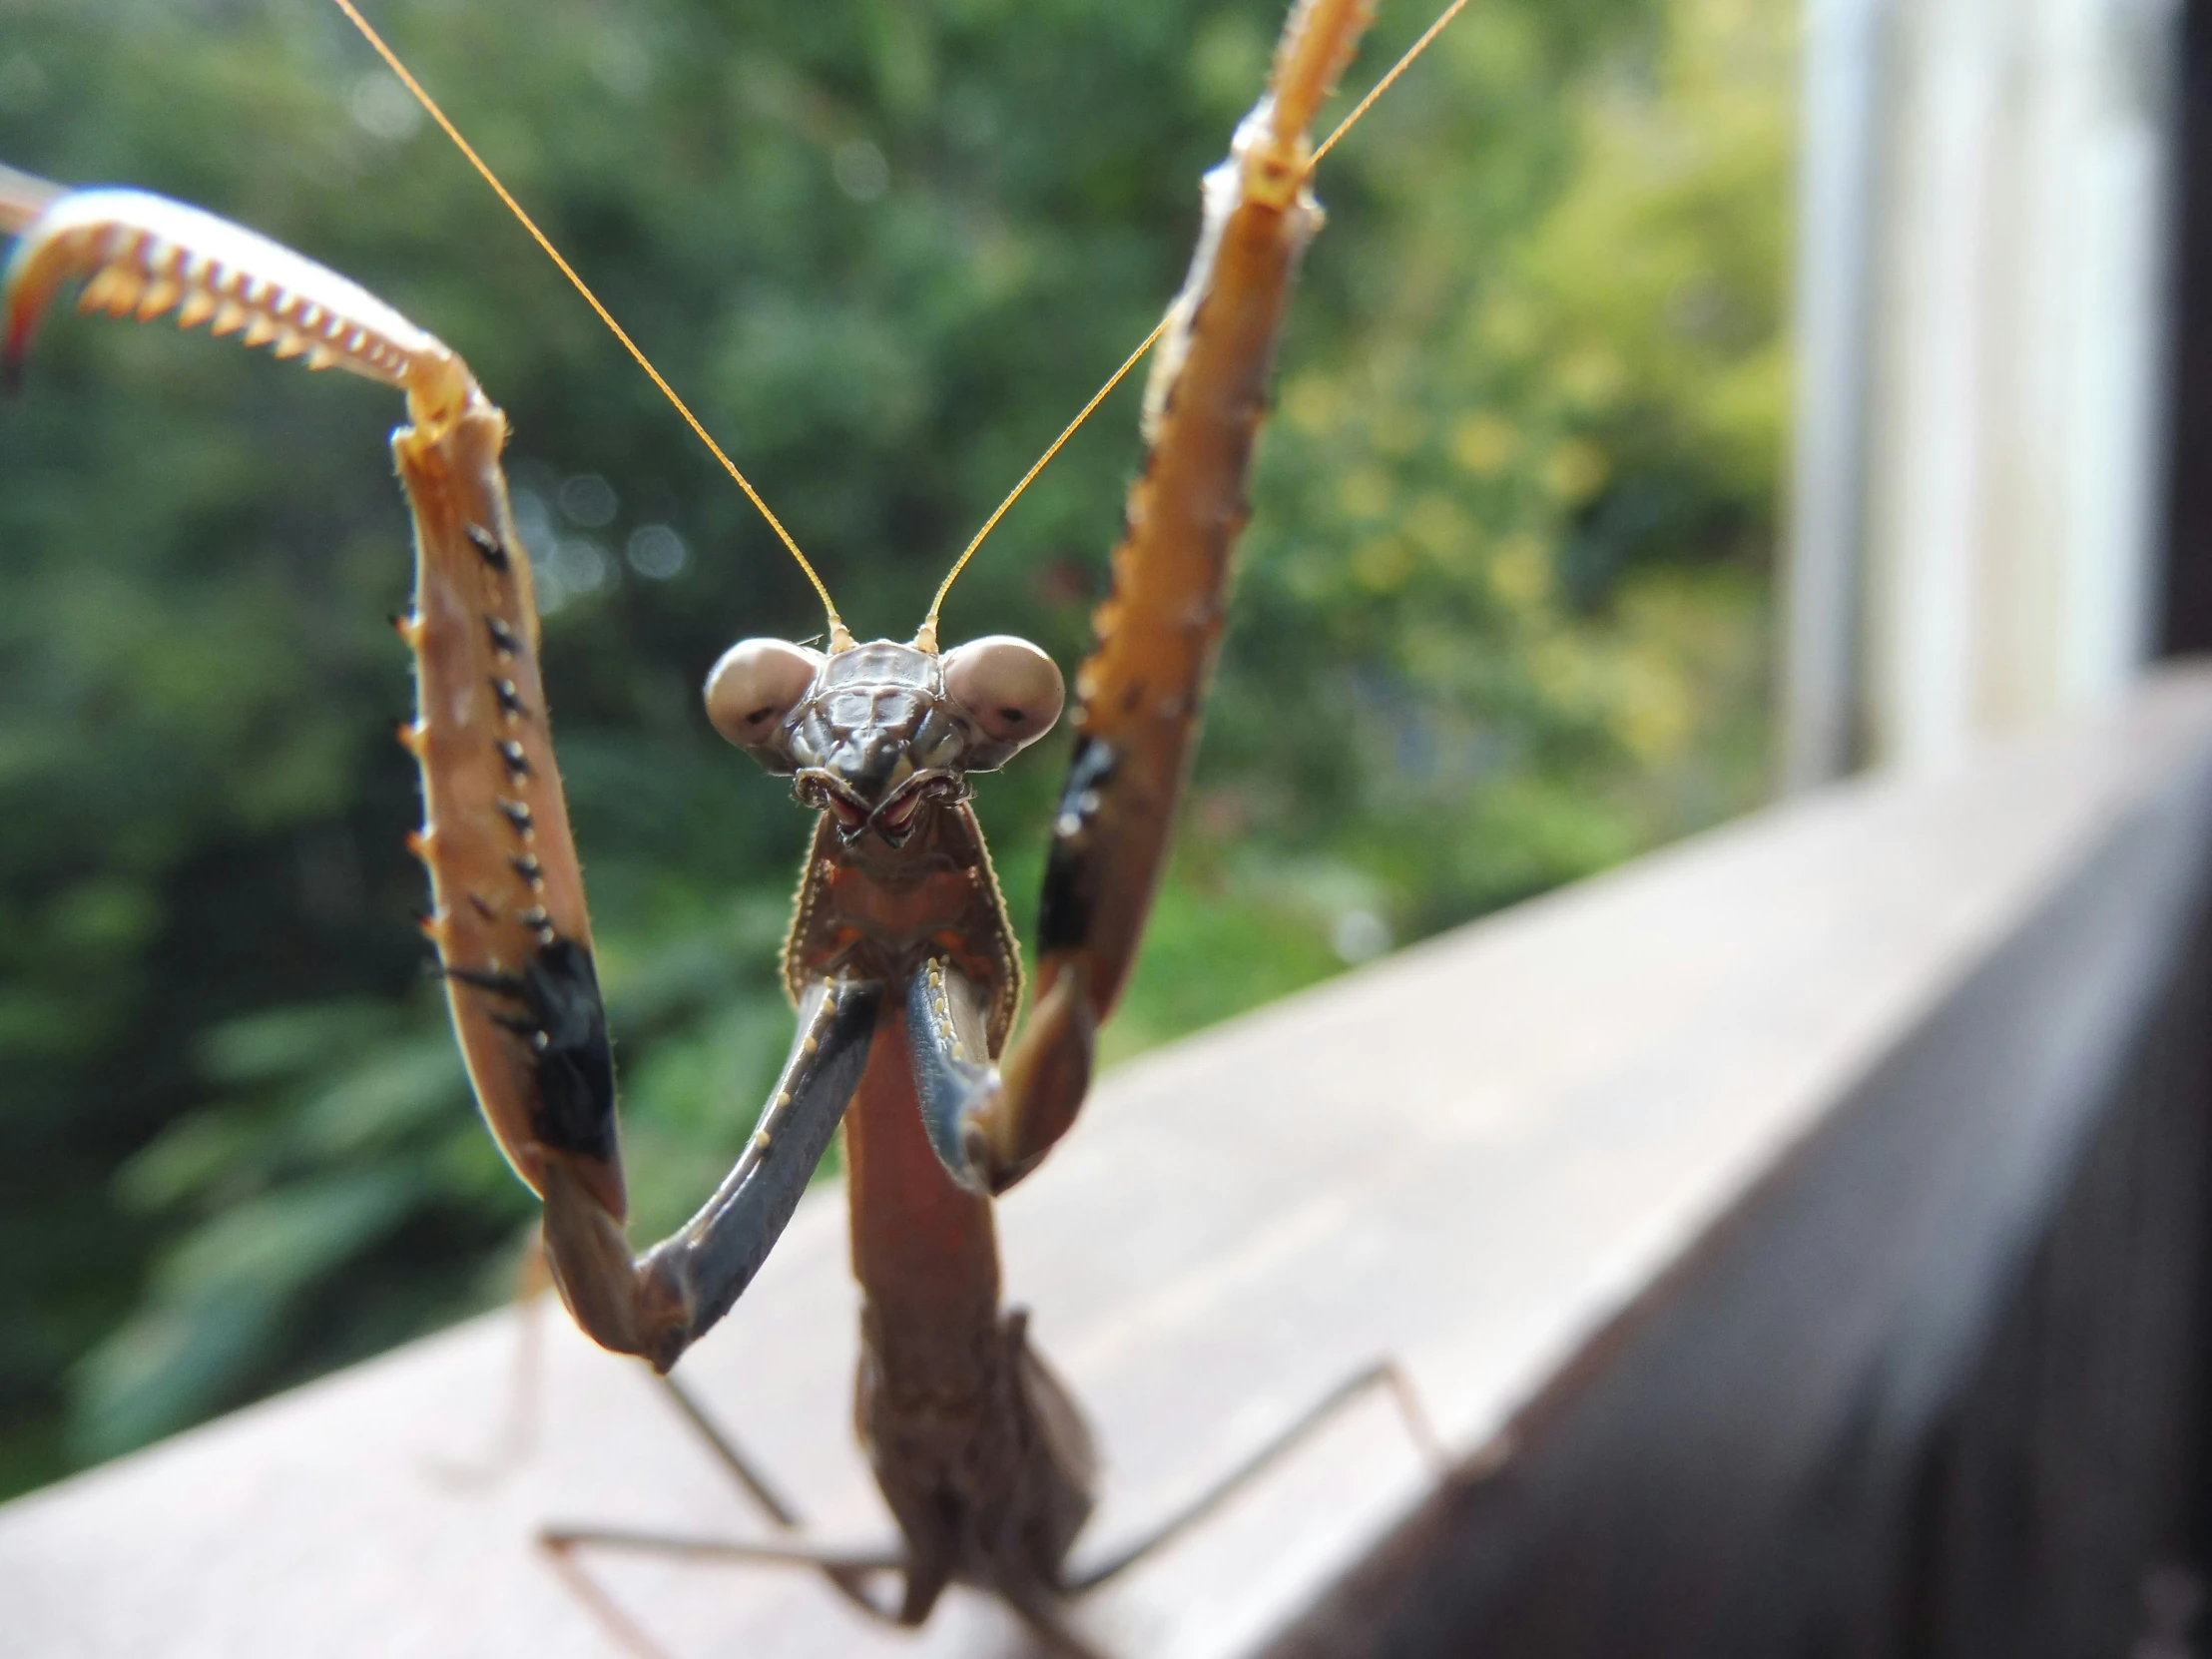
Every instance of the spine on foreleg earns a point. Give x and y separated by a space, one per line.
508 914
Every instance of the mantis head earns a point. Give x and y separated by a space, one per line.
875 733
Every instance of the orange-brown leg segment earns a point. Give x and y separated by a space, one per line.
1141 690
508 914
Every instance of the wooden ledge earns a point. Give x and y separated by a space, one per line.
1487 1157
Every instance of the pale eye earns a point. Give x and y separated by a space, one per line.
754 684
1012 690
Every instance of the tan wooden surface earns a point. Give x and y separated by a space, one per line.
1472 1157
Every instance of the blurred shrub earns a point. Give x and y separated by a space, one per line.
1501 618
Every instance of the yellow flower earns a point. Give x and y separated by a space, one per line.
1366 492
1485 444
1593 376
1445 532
1577 469
1312 403
1384 564
1521 571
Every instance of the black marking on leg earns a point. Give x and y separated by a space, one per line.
483 906
485 979
503 639
486 544
511 700
516 762
1064 909
575 1109
517 813
529 869
523 1026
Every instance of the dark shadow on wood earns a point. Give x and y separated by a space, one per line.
1940 1387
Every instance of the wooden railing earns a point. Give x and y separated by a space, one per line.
1798 1238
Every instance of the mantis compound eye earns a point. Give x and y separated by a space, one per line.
1012 690
754 684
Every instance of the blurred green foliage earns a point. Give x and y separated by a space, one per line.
1501 619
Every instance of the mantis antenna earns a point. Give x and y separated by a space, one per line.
927 638
839 638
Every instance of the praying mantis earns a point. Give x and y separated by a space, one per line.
900 961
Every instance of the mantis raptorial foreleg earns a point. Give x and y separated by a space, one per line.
1141 690
508 915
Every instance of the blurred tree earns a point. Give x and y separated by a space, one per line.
1501 619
